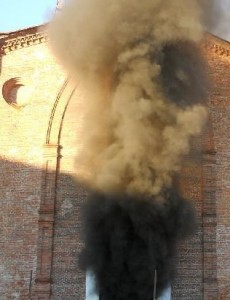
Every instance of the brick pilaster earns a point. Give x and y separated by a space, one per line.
42 288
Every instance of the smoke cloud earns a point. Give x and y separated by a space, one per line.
145 88
128 238
134 135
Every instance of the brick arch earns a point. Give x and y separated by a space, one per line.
68 281
58 112
51 156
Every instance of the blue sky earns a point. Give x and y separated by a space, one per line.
19 14
223 27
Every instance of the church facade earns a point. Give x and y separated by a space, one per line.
40 199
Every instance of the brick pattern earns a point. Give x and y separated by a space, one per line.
220 117
209 217
22 38
189 281
39 257
19 203
48 232
23 132
197 273
68 280
42 287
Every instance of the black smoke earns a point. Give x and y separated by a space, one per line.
183 74
127 238
143 95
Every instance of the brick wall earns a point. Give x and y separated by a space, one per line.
19 203
219 107
68 282
23 134
40 200
203 267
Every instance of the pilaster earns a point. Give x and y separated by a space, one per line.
42 288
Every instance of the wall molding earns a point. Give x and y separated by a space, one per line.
216 45
22 39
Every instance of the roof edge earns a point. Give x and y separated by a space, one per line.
216 44
38 34
22 38
23 31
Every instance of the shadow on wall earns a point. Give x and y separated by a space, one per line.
20 196
22 235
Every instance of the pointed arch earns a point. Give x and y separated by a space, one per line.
52 155
58 112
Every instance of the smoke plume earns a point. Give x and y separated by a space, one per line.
145 88
128 238
126 52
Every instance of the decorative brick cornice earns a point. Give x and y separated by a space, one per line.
216 45
36 35
22 39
